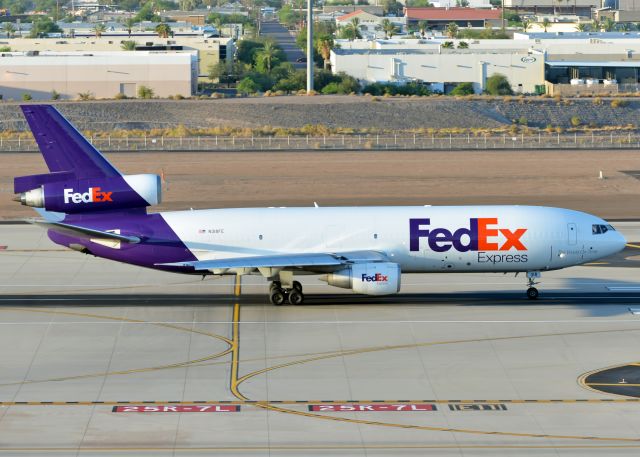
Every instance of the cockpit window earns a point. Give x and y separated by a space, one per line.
598 229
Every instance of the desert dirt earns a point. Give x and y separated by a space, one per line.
239 179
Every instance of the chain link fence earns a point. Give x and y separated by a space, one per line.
618 140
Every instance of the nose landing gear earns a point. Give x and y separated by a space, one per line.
532 292
278 294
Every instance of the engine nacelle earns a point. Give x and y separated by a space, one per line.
375 278
96 194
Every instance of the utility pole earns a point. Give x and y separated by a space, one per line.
309 46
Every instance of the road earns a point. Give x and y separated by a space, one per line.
285 40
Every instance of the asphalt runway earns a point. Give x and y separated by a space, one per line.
100 358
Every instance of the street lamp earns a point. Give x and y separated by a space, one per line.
309 46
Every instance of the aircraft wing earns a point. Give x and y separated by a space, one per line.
85 232
304 260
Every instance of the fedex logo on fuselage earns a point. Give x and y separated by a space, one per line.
375 278
482 235
94 194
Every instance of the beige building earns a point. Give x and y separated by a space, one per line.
102 74
209 51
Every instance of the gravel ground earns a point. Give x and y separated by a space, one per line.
217 179
331 111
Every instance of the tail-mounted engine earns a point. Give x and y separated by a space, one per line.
376 278
90 194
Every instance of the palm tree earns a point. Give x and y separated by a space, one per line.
352 30
595 25
608 25
187 5
129 23
267 54
546 23
163 30
98 30
423 27
9 29
463 45
324 45
128 45
447 45
581 27
525 25
388 27
452 29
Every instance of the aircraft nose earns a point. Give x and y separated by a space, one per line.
619 242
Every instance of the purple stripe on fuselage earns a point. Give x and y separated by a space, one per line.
159 244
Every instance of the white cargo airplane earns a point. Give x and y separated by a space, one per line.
89 206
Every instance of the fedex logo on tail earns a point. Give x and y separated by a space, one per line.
94 194
483 234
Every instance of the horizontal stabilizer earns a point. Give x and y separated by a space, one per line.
76 230
283 261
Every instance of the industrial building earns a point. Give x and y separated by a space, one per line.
570 66
209 51
101 74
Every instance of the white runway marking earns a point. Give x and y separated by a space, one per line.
584 321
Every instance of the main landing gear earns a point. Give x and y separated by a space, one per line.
532 292
278 294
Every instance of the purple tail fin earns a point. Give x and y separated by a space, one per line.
63 147
81 179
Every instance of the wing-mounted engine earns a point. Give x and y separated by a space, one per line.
375 278
89 194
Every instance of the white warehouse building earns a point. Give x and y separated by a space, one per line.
442 68
101 74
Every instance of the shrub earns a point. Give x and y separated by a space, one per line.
55 95
247 86
618 103
178 97
463 89
498 84
386 89
85 96
5 49
597 101
120 96
575 121
523 120
145 92
26 97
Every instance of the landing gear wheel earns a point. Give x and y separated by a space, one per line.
297 286
277 297
275 285
296 297
532 293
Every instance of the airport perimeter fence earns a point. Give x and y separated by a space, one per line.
618 140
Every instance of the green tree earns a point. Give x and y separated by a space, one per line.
498 84
145 92
389 28
163 30
595 25
9 29
418 3
423 28
608 25
526 24
546 23
43 26
324 44
98 30
452 30
581 27
266 56
187 5
247 86
129 23
463 89
128 45
392 7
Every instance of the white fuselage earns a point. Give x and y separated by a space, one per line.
455 238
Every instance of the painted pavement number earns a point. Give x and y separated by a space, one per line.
358 407
177 409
